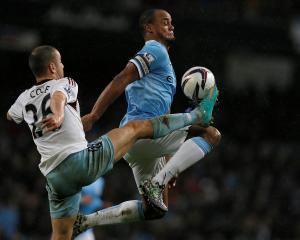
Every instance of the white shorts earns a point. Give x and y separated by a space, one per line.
147 156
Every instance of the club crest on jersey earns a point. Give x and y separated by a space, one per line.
68 89
169 78
149 57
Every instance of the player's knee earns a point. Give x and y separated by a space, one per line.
212 135
151 213
140 128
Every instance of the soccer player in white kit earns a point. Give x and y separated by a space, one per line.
51 110
149 83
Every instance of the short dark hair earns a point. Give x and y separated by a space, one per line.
146 18
39 59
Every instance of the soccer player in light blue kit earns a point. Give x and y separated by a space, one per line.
149 82
153 94
90 202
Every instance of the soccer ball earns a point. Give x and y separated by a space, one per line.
196 81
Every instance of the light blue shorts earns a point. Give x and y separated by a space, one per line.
79 169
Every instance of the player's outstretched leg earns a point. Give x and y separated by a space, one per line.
126 212
152 190
202 114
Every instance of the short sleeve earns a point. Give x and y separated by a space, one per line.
67 86
16 110
149 58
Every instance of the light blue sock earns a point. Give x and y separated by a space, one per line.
166 124
203 144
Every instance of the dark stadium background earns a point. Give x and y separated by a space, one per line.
247 188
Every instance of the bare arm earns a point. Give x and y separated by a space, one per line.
57 105
113 90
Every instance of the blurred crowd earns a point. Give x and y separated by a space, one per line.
246 189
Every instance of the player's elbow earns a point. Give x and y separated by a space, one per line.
8 117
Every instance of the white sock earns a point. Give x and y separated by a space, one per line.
126 212
188 154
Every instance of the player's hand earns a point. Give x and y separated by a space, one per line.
87 122
51 123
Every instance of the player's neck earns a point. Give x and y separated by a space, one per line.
165 43
44 79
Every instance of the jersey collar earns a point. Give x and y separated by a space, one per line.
43 81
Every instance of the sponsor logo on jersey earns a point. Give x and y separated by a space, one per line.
67 88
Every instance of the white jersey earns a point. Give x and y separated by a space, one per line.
34 104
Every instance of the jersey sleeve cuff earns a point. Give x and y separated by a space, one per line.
14 117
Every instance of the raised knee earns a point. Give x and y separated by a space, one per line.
133 125
212 135
141 128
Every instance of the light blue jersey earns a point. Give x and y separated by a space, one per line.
153 94
94 191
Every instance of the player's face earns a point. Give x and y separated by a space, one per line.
59 65
162 26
